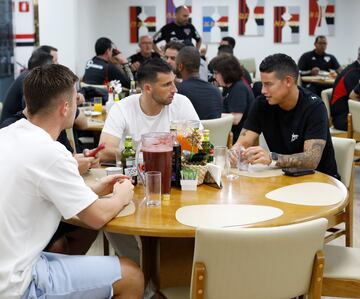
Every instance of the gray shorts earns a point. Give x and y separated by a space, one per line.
72 277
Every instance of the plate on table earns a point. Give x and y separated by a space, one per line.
95 113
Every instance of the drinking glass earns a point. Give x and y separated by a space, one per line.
118 155
153 188
220 156
98 107
87 108
232 161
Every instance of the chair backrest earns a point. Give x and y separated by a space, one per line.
326 97
1 107
219 129
354 109
70 136
83 84
344 155
249 64
257 263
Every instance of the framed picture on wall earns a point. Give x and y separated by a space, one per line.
286 24
251 17
171 6
215 23
142 22
321 17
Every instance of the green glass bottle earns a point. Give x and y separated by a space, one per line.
128 159
207 146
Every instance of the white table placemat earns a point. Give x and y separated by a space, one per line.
308 194
261 171
217 216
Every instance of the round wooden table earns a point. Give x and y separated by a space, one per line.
167 245
322 80
161 221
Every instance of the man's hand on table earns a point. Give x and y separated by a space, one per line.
256 155
85 163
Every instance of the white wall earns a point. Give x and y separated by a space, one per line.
73 27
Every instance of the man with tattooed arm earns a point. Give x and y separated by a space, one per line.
293 120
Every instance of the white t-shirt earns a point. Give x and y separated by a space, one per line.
40 182
127 118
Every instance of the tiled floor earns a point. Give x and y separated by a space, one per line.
97 248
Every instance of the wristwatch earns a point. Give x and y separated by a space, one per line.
274 156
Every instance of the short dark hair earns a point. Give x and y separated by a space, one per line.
174 45
38 58
230 40
177 9
148 71
102 44
44 84
225 49
282 64
47 49
319 37
229 68
189 56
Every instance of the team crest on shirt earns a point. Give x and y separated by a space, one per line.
187 31
327 58
294 137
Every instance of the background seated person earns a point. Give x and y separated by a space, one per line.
237 95
205 97
146 52
45 187
101 69
355 93
311 63
151 111
345 82
292 119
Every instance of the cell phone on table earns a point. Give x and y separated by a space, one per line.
93 152
292 171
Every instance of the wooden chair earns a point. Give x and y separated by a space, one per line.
341 272
275 262
219 129
354 125
326 97
344 156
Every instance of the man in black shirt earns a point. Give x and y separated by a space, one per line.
145 53
311 63
292 119
344 84
205 97
100 70
180 30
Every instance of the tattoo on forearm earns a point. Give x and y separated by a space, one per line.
243 132
310 158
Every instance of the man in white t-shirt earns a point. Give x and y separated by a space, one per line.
40 185
151 111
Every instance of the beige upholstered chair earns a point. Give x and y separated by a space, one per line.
326 97
70 136
250 65
257 263
342 272
219 129
354 124
344 156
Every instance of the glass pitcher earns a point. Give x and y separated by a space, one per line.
156 150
